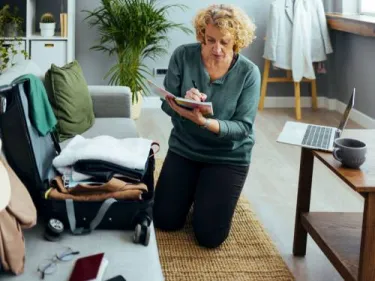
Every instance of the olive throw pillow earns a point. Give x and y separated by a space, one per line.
70 99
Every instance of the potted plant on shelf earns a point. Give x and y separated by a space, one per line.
10 41
133 30
10 22
47 25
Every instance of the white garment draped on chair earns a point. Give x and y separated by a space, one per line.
297 36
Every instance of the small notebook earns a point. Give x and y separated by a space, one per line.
90 268
186 103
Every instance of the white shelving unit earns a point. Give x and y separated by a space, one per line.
47 50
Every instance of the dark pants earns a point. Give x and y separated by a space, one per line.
213 188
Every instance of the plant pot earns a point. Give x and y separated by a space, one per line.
136 107
11 30
47 29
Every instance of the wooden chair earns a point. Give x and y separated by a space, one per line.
297 88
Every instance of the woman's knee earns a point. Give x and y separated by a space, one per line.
210 238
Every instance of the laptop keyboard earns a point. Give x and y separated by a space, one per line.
317 136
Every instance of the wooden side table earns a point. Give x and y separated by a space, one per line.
347 239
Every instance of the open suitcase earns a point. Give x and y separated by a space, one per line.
30 155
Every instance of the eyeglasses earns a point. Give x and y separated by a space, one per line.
49 266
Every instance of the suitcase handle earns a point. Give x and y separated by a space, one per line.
55 142
5 88
94 223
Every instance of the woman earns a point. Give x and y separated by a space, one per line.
209 156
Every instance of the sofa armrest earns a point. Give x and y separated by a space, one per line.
111 101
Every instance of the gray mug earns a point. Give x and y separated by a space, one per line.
350 152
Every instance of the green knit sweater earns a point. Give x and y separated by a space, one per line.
234 98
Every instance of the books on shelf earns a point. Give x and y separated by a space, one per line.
64 24
186 103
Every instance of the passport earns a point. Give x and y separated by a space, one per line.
89 268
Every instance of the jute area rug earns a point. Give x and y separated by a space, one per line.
248 253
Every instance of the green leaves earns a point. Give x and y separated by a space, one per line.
8 52
133 30
9 17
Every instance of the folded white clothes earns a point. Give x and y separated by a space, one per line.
131 153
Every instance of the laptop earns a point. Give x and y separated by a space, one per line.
315 136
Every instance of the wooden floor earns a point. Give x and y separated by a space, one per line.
271 186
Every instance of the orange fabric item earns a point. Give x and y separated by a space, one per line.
114 188
19 214
96 196
112 185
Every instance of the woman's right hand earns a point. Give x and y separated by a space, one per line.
194 94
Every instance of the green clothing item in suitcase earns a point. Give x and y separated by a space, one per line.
41 112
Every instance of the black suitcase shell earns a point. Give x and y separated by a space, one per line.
30 156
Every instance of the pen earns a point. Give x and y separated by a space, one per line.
195 85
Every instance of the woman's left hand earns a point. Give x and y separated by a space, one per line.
195 115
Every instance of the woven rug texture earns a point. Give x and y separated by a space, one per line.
247 255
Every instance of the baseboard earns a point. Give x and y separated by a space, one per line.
323 102
288 102
357 116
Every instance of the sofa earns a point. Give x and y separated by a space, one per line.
112 104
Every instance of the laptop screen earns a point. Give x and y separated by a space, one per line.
345 117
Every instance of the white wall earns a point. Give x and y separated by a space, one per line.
350 6
342 6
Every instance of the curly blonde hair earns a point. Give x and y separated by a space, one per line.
227 18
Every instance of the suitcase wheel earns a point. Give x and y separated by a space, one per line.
53 230
142 233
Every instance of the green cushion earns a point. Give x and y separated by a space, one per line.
70 99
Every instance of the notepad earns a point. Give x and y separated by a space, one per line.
185 103
90 268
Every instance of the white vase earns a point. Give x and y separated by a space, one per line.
47 29
136 107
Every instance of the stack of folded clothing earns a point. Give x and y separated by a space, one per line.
100 168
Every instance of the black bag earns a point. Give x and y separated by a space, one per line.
30 155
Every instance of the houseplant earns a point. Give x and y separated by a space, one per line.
10 22
47 25
10 42
133 30
8 51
